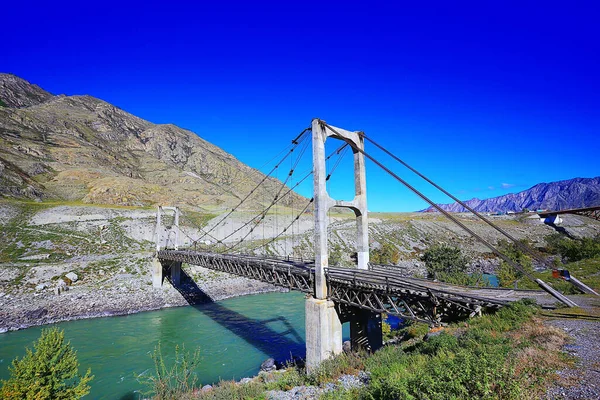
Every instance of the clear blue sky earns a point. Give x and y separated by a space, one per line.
485 100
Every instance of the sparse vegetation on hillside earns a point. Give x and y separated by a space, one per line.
385 254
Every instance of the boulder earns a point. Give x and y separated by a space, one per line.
41 286
268 365
347 346
72 276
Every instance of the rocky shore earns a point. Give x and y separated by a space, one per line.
121 294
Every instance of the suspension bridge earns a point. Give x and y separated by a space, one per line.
335 295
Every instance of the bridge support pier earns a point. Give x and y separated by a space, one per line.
365 330
323 331
157 273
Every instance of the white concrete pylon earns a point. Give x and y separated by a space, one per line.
323 202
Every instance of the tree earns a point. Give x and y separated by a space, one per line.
386 254
48 372
442 260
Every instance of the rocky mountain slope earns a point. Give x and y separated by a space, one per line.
560 195
81 148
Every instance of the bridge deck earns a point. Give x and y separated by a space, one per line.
380 289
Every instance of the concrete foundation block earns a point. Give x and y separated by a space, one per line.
157 273
323 332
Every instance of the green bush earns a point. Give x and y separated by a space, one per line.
230 390
443 261
48 372
477 363
172 382
574 249
291 377
332 368
386 254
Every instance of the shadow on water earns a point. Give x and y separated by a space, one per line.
256 332
130 396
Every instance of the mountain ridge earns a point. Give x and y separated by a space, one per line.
558 195
83 148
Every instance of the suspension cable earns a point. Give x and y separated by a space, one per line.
522 247
510 262
263 214
296 141
193 224
433 204
248 177
276 199
286 228
339 150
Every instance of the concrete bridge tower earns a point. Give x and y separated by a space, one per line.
323 317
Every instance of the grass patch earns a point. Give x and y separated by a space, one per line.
587 271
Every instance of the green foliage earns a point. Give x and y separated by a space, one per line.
386 254
416 330
48 372
331 369
507 275
574 250
290 378
386 330
445 262
335 254
477 363
230 390
172 382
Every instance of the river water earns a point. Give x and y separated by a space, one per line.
235 336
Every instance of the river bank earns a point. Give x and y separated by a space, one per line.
99 293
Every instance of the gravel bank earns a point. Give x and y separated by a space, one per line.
583 380
118 294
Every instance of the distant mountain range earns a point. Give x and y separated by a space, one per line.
560 195
84 149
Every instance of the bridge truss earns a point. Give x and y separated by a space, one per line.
380 289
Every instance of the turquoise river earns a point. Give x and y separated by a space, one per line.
235 336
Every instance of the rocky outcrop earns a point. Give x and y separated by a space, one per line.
560 195
18 93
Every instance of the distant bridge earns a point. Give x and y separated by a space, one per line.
357 295
551 217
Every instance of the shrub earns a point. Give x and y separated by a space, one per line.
332 368
48 372
574 250
444 261
386 254
172 382
481 362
